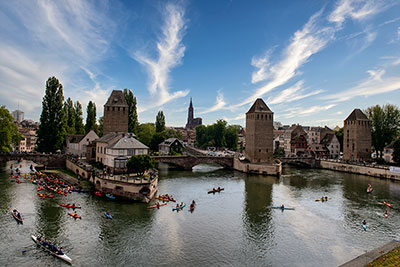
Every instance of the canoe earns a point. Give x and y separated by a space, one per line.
110 196
64 257
215 191
387 204
282 208
73 216
108 216
19 221
179 208
69 206
155 206
98 194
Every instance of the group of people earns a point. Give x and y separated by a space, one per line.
52 247
324 198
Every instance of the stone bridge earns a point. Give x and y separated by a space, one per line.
308 162
188 162
48 160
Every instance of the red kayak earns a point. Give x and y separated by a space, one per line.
155 206
98 194
387 204
69 206
74 216
386 215
215 190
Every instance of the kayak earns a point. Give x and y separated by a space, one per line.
108 216
63 257
69 206
215 191
322 200
45 195
19 220
386 215
74 216
98 194
110 196
364 227
179 208
191 207
155 206
369 189
387 204
282 208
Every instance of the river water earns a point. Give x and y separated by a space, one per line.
233 228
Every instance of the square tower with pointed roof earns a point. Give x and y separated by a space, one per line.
116 113
357 137
259 133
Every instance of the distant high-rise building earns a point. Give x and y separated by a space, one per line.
192 122
115 113
357 136
259 133
18 115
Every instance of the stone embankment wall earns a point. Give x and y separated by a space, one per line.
274 169
378 171
78 169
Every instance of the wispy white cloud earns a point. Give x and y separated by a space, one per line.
262 64
236 118
398 33
375 84
293 93
300 111
219 104
170 53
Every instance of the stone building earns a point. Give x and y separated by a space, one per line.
191 121
115 113
170 146
259 133
357 137
76 143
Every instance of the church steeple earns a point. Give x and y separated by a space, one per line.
190 111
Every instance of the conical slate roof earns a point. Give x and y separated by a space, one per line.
116 99
259 106
357 114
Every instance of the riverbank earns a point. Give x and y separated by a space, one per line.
389 253
69 177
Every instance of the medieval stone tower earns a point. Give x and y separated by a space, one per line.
115 113
357 137
259 133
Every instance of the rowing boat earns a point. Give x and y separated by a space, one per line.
155 206
19 220
63 257
215 190
282 208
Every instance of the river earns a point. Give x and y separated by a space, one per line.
236 227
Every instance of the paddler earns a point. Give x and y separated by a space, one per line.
326 198
386 213
282 206
364 225
60 252
75 214
158 205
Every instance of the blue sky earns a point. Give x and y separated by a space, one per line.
312 62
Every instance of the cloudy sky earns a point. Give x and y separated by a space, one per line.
312 61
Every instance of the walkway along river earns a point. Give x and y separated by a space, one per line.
233 228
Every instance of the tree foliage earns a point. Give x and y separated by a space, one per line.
339 135
91 117
385 125
145 133
139 164
9 135
69 111
218 134
160 122
100 128
52 129
133 122
279 152
396 151
79 127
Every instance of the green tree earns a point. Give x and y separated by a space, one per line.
279 152
52 129
396 152
231 136
91 117
157 138
9 135
69 112
139 164
339 135
133 122
201 136
79 127
100 128
385 125
160 122
145 133
218 133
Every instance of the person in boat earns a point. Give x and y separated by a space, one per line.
326 198
364 222
158 205
322 199
282 206
75 214
45 243
177 205
18 215
386 213
38 238
60 252
193 203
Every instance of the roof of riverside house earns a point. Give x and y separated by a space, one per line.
327 139
357 114
259 106
127 142
74 138
116 99
169 141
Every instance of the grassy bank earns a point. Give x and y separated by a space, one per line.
390 259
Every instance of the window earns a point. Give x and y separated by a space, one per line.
120 152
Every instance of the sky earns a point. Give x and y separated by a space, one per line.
311 61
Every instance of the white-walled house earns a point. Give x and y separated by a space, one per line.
76 143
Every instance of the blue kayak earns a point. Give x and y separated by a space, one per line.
110 196
108 216
364 227
278 207
180 207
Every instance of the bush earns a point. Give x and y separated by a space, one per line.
139 164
